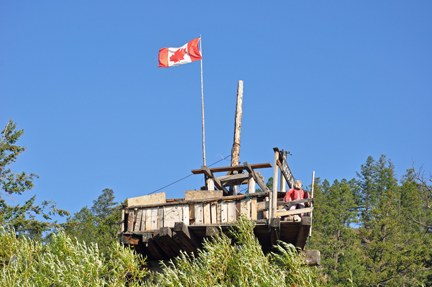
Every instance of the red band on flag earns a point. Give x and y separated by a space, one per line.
163 58
193 50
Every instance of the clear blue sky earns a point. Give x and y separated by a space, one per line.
331 81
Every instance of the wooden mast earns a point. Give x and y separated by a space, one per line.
235 151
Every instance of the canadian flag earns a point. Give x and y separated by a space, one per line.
169 57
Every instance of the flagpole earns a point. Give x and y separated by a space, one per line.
202 107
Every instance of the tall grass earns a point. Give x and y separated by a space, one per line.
64 262
222 263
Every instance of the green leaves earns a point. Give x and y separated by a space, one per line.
29 218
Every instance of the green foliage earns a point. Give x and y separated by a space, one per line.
221 263
99 224
333 235
29 218
391 246
65 262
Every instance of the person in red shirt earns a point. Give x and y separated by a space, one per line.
295 194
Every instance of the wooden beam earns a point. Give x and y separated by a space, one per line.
161 242
285 170
258 180
226 179
224 198
166 236
275 185
303 231
217 182
187 236
286 203
232 168
153 248
296 211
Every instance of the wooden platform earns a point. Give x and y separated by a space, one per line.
161 230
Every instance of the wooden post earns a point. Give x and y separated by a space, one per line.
252 184
283 180
235 151
275 185
312 192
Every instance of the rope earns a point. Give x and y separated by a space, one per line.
187 176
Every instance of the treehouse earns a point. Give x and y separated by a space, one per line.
160 228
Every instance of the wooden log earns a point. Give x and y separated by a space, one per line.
182 230
232 168
292 212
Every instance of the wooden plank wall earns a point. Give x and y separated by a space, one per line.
203 213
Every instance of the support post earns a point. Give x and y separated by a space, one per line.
312 192
235 151
275 184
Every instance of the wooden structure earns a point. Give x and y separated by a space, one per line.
159 228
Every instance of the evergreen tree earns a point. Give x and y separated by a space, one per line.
333 235
99 224
29 218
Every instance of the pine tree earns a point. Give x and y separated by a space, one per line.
333 235
99 224
29 218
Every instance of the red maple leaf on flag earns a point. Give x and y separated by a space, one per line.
178 55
